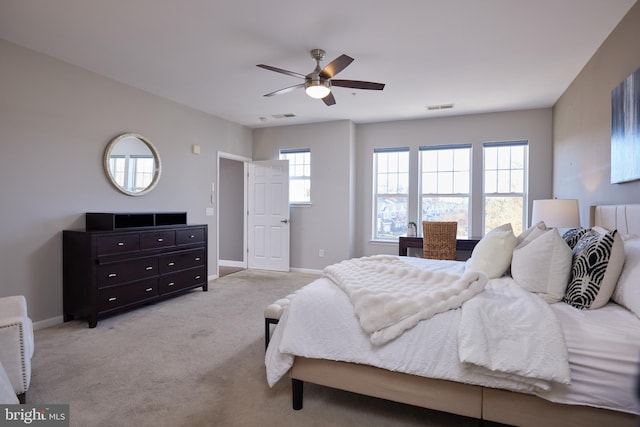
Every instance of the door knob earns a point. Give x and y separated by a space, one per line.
285 221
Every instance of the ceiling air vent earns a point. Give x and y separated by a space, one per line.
439 107
283 116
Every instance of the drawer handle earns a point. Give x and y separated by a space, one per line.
120 243
197 258
112 299
171 264
197 277
160 239
171 284
149 289
149 268
192 236
112 275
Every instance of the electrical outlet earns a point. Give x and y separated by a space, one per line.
321 253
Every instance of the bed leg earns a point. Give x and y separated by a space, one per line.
296 393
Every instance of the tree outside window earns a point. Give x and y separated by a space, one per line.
505 184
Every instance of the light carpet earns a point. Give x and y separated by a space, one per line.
195 360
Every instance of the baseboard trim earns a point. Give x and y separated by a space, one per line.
306 271
47 323
228 263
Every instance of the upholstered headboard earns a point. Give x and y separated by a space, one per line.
624 218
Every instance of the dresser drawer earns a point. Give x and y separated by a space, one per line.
157 239
194 235
118 296
183 279
126 271
181 260
118 243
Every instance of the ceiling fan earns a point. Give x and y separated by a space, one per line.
318 83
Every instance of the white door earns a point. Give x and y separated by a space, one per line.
268 215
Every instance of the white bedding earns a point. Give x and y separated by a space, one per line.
328 328
390 296
506 330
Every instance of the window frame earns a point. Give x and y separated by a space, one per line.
462 233
523 195
375 236
295 178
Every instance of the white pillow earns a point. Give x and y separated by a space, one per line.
597 263
627 292
492 254
543 266
531 234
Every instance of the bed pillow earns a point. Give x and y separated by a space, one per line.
573 236
492 254
531 234
597 263
543 266
627 292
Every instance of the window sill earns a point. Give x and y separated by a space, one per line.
384 242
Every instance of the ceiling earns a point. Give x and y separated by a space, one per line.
481 56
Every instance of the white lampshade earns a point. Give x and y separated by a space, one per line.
556 213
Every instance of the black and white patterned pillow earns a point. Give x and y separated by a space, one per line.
597 262
573 236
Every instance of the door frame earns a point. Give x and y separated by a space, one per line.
216 196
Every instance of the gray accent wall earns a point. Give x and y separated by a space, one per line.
55 122
582 123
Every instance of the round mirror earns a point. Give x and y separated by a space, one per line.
132 164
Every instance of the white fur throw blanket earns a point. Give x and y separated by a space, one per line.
390 296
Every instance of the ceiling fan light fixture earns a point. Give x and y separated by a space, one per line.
317 88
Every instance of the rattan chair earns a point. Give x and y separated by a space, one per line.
439 239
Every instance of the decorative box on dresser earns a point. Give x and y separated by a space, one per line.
124 260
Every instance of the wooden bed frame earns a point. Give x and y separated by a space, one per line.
463 399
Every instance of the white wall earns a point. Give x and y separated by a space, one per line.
55 122
328 222
582 123
531 125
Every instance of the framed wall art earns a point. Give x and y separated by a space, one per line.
625 130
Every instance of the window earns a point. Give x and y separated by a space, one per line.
445 185
391 192
134 172
299 174
505 184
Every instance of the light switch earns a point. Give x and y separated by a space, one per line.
195 149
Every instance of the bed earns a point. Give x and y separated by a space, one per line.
602 350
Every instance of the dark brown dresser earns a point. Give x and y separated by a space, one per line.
124 260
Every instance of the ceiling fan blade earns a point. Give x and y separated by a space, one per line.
357 84
280 70
335 66
329 100
285 90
